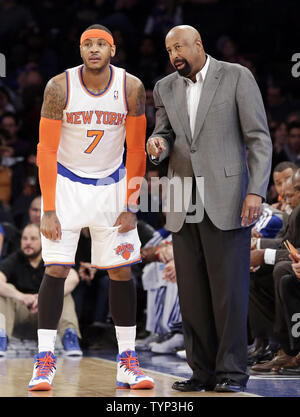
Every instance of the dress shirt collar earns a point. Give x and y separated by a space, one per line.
200 76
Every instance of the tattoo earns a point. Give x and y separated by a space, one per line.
140 100
136 96
54 101
94 91
49 213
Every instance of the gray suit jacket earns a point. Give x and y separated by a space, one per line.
230 121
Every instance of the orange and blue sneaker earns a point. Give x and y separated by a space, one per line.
129 374
43 372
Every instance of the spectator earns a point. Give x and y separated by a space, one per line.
91 295
9 239
278 103
165 15
14 152
5 102
228 50
281 173
279 138
287 359
293 117
5 184
278 213
5 214
33 215
265 316
151 200
291 149
272 216
148 65
20 276
121 57
16 146
290 300
32 97
12 18
20 209
163 311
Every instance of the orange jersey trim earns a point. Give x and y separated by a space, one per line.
124 92
68 90
139 259
59 263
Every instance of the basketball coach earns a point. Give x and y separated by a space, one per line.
211 122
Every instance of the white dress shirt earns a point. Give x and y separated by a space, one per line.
269 255
193 93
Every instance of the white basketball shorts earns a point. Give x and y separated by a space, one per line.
84 202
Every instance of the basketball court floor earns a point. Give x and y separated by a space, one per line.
93 375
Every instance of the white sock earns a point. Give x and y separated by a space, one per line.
46 340
125 338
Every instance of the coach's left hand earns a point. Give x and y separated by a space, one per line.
251 209
126 221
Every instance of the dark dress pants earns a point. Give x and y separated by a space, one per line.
266 315
212 269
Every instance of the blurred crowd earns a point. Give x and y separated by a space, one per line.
40 39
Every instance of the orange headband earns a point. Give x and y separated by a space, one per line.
97 33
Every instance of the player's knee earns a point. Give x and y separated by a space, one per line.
57 271
120 274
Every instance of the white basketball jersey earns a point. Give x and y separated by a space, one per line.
93 128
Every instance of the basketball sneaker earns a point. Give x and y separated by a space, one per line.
43 372
71 343
129 375
169 345
3 342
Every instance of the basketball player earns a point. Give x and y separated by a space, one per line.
86 114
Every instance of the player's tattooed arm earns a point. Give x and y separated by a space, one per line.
136 95
55 96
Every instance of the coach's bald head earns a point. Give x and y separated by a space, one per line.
185 49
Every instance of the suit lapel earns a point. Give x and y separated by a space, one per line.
179 94
210 85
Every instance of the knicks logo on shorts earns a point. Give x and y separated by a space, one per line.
125 250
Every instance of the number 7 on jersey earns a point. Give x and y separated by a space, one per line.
98 136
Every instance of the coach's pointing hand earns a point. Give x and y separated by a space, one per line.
50 226
155 146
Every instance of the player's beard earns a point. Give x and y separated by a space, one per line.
186 70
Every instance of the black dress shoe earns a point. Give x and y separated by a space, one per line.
191 385
261 355
229 385
290 371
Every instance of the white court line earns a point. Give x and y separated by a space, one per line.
246 394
